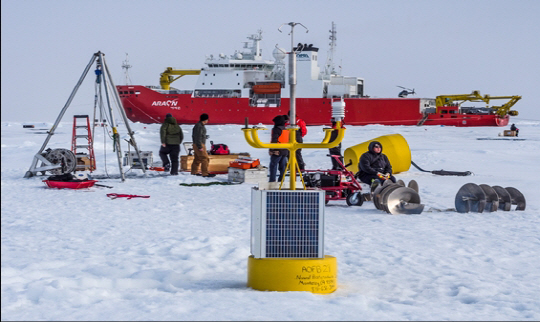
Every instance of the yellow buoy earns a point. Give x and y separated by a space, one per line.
316 275
394 146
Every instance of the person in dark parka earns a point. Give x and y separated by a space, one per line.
514 128
337 149
199 148
171 137
278 157
374 166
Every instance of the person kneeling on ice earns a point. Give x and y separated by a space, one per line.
278 157
374 166
514 128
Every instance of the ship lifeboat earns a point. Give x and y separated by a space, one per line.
271 88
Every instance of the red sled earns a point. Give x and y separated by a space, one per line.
70 184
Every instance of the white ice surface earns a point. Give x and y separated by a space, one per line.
182 253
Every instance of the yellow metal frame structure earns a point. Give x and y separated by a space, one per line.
252 138
446 100
166 78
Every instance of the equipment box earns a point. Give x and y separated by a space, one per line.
131 159
83 163
255 175
509 133
218 163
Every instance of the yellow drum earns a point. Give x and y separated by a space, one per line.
316 275
394 146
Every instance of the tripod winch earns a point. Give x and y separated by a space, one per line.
59 161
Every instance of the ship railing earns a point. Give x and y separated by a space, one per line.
265 102
477 110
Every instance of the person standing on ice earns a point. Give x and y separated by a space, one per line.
300 133
199 148
278 157
374 167
337 149
171 138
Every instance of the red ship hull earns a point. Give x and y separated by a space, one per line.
145 105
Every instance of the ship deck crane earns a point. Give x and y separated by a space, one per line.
167 76
504 109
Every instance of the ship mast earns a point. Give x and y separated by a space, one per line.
126 66
329 66
255 52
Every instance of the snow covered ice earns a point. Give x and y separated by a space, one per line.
182 253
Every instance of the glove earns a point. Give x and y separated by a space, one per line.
380 175
387 175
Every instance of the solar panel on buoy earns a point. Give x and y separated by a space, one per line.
287 224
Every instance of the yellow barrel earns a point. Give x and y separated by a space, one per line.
394 146
316 275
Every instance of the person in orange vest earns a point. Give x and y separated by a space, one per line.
299 138
278 157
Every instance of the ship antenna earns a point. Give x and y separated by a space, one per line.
329 67
126 66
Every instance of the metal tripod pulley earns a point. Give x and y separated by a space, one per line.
61 159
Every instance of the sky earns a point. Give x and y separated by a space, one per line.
435 47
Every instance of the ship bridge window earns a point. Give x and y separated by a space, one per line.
131 92
453 112
444 111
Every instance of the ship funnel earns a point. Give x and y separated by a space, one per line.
338 110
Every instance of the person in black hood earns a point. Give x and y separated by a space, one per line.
374 166
514 128
278 157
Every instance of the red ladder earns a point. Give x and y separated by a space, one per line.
89 161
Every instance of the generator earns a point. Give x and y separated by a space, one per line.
131 159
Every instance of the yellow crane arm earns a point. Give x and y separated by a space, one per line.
446 100
167 76
505 108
